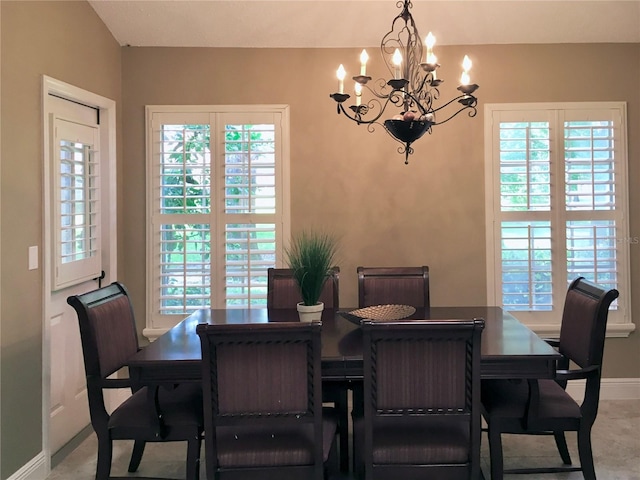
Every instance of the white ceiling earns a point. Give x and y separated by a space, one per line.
362 23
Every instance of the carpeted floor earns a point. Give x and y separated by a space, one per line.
616 445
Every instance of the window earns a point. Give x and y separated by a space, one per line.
557 208
218 214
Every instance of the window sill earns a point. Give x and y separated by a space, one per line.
614 330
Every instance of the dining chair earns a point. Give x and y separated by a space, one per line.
263 410
536 407
152 413
283 292
393 285
421 400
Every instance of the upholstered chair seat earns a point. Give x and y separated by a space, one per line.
509 400
267 446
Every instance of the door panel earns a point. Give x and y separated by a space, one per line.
68 405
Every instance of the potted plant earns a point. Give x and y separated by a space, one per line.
311 255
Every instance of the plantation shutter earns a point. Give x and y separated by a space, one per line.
77 204
524 200
217 212
250 216
557 206
594 219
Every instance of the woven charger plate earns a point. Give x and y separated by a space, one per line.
383 312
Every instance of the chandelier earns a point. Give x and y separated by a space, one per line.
412 90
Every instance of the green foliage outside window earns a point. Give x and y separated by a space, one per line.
186 189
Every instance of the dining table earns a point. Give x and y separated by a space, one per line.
509 348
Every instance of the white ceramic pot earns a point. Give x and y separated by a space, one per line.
308 313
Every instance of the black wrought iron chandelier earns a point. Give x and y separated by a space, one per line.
413 88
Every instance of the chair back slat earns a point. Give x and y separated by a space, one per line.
270 373
438 384
584 322
107 328
393 285
116 339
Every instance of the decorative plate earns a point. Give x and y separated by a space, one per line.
380 313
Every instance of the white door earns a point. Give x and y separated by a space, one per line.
76 252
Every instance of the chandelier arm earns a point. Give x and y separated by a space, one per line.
441 107
472 113
469 101
356 117
382 85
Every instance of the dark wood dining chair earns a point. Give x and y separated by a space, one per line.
263 410
150 414
538 407
393 285
283 292
421 400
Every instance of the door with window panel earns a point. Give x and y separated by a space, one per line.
76 257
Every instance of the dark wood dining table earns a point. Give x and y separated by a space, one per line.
509 348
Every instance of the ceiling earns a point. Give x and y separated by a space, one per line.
362 23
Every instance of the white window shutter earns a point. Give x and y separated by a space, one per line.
77 204
557 206
217 211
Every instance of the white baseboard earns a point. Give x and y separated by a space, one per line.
35 469
610 389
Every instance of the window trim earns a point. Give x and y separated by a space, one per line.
619 325
155 328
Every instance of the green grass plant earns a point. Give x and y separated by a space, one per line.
311 256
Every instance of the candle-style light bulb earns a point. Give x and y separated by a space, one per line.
358 89
467 63
397 61
466 66
341 73
430 41
363 62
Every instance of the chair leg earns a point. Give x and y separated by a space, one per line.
586 455
342 404
105 452
136 455
561 443
495 454
193 457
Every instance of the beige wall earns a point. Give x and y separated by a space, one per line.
387 213
67 41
